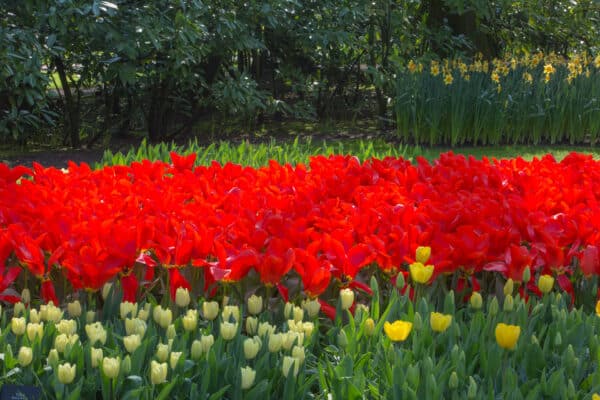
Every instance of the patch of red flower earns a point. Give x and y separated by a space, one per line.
324 221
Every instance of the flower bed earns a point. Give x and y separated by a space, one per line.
140 253
328 224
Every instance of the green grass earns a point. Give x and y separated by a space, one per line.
300 150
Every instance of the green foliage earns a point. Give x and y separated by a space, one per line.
256 155
162 66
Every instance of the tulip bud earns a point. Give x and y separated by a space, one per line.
162 352
509 287
369 327
18 326
171 332
526 274
342 339
26 296
453 381
165 317
95 333
298 314
135 326
18 309
248 376
128 309
210 310
289 338
557 339
400 281
190 320
53 357
67 326
417 321
207 342
255 304
476 300
231 311
53 313
74 309
96 356
62 341
158 372
196 351
34 316
472 390
228 330
311 307
251 325
66 373
275 342
174 359
288 309
545 283
111 367
347 298
90 317
182 297
251 347
422 254
308 328
132 342
509 303
106 290
144 313
493 307
25 356
288 364
264 329
298 352
35 330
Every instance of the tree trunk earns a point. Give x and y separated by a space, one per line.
71 113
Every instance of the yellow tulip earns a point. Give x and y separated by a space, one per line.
397 331
507 335
25 356
210 310
369 327
312 307
158 372
420 273
66 373
598 308
476 300
248 376
422 254
74 309
182 297
545 283
110 367
255 304
596 396
439 322
347 298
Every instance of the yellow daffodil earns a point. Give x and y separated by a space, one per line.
507 335
397 331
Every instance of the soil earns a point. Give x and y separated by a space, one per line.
60 157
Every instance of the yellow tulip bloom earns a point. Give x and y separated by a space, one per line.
440 322
420 273
507 335
397 331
